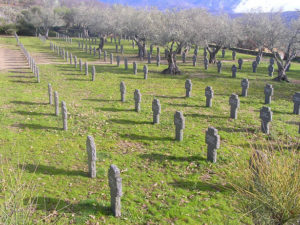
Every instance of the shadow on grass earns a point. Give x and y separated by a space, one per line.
172 97
76 79
161 157
146 138
115 110
292 122
100 100
200 186
16 76
35 126
279 112
27 103
207 116
186 105
33 113
85 207
231 130
23 81
51 170
120 121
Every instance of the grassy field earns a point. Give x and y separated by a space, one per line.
164 181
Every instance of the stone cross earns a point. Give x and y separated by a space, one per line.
272 61
209 94
56 102
194 60
257 59
92 156
245 86
145 69
93 73
296 100
179 122
115 185
123 91
118 61
86 68
137 100
183 57
80 65
149 58
223 53
158 60
219 65
104 56
233 55
71 58
75 61
240 62
271 70
233 69
111 58
266 118
134 68
156 109
268 93
212 139
126 63
205 63
64 115
188 88
254 66
50 94
234 103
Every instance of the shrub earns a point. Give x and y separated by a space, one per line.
269 189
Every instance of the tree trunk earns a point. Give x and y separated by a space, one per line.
213 53
47 33
281 74
172 68
101 44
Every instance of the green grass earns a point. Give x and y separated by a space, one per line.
163 181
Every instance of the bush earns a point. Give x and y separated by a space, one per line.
8 29
269 189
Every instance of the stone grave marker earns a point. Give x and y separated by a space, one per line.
296 100
179 122
269 91
86 66
115 185
93 73
266 118
271 70
92 156
64 115
194 60
234 103
245 86
223 53
137 100
156 109
233 55
209 94
50 94
123 91
212 139
134 68
126 63
118 61
188 88
219 66
254 66
56 102
111 58
240 62
233 69
145 69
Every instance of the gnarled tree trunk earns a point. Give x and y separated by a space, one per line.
213 53
172 66
282 66
101 44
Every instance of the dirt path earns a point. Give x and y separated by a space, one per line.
12 59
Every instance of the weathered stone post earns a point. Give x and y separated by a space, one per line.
67 56
233 55
75 61
145 69
194 60
179 122
188 88
111 58
266 118
80 65
137 100
268 90
149 58
93 73
223 53
158 60
122 49
99 52
296 100
94 50
118 61
56 102
183 57
219 65
254 66
245 86
156 109
126 63
92 156
123 91
234 103
212 139
233 69
38 75
134 68
115 184
240 62
104 56
50 94
205 63
209 94
271 70
64 115
71 58
86 66
117 49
